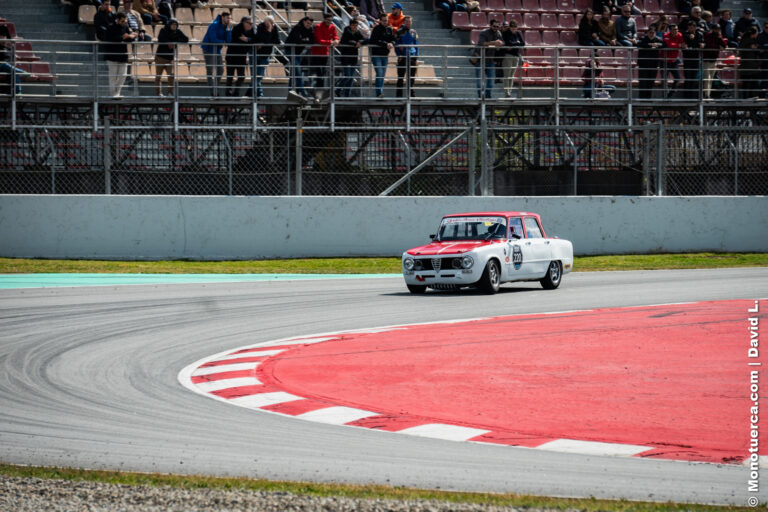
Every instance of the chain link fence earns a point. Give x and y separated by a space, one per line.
501 160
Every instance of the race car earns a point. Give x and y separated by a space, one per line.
486 249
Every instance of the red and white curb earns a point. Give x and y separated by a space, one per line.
231 377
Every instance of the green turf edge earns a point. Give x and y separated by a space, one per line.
343 490
363 265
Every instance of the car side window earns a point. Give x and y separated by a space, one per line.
532 229
516 227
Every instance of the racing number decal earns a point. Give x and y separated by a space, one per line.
517 256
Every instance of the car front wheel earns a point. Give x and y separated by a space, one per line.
491 279
553 276
416 288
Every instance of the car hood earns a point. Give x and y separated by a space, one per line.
437 248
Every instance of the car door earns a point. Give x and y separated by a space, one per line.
539 246
519 259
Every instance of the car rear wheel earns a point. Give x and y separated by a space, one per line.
416 288
491 279
553 277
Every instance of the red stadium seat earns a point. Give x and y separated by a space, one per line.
549 21
548 5
515 16
652 6
582 5
41 70
550 38
668 6
24 51
460 20
569 38
11 28
531 20
568 6
474 36
567 22
478 20
639 4
513 5
530 5
539 76
532 37
498 16
497 6
642 25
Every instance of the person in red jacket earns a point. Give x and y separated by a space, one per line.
326 37
673 41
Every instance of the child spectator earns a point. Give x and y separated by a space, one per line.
169 36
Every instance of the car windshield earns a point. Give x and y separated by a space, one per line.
472 228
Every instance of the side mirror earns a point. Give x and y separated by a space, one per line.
432 237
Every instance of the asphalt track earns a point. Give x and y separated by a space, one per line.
88 379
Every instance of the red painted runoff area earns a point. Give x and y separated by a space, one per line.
674 378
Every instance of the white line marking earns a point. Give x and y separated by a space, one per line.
295 341
443 431
593 448
264 399
217 385
336 415
224 368
260 353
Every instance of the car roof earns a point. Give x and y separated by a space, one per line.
492 213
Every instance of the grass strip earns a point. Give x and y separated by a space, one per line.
361 265
346 490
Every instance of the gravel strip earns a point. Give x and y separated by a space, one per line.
34 494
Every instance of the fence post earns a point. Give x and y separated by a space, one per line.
229 161
483 147
647 160
107 157
299 158
735 165
472 160
660 160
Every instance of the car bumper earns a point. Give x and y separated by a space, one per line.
456 277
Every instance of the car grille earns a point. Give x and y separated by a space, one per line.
437 264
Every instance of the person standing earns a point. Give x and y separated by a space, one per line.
648 61
513 41
490 39
693 42
219 33
407 50
237 54
299 38
749 64
266 40
673 41
728 27
325 37
351 41
118 35
745 23
381 42
714 42
167 39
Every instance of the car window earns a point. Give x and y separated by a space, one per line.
532 229
516 227
472 228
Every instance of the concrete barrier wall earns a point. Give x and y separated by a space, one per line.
175 227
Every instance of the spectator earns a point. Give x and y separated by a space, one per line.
489 40
238 49
447 8
406 41
364 26
219 33
634 10
762 46
149 13
710 5
714 42
607 27
662 25
695 18
513 41
299 38
135 21
648 61
118 35
626 28
599 5
749 64
707 17
343 18
266 39
103 19
351 41
594 86
166 49
325 37
381 42
371 9
745 23
693 42
396 17
728 27
589 30
673 41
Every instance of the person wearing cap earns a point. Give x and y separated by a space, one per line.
168 39
237 53
745 23
325 37
103 19
513 41
396 17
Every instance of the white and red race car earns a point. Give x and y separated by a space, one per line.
487 249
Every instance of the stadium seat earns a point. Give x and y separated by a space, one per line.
85 14
41 70
474 36
549 21
567 22
513 5
581 5
668 6
550 38
567 6
460 20
497 6
531 20
549 6
203 16
238 13
652 6
483 5
184 15
532 37
569 38
198 33
498 16
478 20
640 5
24 51
530 6
641 24
515 16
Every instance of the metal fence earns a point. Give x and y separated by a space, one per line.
465 160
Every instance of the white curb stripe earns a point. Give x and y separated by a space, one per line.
762 461
210 370
336 415
305 341
261 353
443 431
264 399
217 385
593 448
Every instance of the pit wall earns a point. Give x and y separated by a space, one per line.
214 228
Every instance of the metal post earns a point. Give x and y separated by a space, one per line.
95 67
229 161
299 158
660 160
735 165
107 157
483 149
575 163
472 160
646 161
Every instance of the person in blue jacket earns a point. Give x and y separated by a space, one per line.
407 56
219 33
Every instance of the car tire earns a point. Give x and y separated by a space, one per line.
553 276
491 279
416 288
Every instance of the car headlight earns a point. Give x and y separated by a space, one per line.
408 263
467 261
